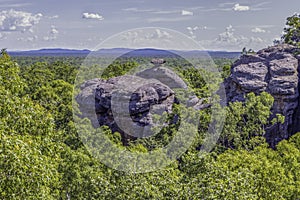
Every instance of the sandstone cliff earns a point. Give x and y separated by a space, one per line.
276 71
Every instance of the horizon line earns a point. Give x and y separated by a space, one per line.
86 49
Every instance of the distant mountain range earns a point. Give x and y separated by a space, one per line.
121 51
53 52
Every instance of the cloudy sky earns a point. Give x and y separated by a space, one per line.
82 24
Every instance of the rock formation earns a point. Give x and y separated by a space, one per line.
123 103
276 71
164 75
127 104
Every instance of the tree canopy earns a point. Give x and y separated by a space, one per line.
291 33
42 156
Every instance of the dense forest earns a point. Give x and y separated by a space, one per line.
43 157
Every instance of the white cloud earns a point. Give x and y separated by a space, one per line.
2 36
146 35
28 39
52 34
151 38
230 41
187 13
168 19
166 12
256 40
130 9
228 36
14 5
54 17
12 20
215 9
138 10
54 30
160 34
238 7
226 4
49 38
258 30
192 30
160 11
260 6
92 16
31 30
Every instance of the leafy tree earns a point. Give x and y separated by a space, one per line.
9 75
118 68
4 53
292 30
28 158
261 173
245 122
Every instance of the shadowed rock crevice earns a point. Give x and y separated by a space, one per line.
296 118
112 101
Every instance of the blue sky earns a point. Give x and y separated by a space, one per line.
216 24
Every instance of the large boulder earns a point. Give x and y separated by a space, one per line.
126 103
132 104
274 70
164 75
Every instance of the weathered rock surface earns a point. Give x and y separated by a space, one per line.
276 71
127 104
173 81
125 99
164 75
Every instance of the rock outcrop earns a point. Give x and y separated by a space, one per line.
165 76
276 71
123 103
128 104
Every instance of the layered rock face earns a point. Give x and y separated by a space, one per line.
128 104
276 71
124 103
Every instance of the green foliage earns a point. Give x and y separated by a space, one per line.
261 173
245 123
26 170
42 156
201 82
118 68
196 80
9 75
292 30
28 159
226 71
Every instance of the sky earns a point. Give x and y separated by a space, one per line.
83 24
